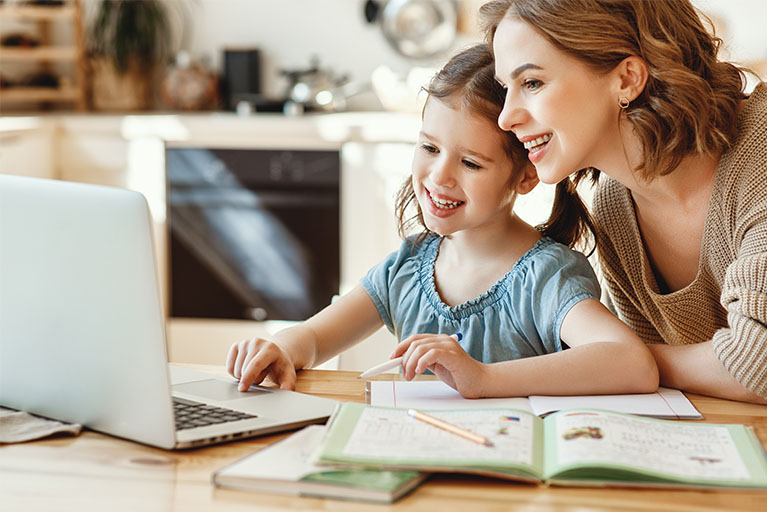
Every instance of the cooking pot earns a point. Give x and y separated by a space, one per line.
417 29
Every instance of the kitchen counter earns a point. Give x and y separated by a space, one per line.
321 130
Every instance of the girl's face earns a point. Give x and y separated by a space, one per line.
564 113
461 173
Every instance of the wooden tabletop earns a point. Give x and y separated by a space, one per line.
101 473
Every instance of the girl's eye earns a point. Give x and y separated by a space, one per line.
428 148
532 84
471 165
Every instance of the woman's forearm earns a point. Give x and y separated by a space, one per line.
695 368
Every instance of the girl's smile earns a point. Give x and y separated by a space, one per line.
442 206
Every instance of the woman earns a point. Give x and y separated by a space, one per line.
634 90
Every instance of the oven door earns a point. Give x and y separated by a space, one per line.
254 234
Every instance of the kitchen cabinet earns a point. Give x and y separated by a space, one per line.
27 147
71 87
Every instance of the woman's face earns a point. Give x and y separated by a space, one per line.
564 113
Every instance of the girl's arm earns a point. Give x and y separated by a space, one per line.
605 357
347 321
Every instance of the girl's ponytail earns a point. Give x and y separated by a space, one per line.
570 222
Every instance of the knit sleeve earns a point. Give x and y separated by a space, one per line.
742 346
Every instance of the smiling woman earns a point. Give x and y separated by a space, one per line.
634 89
528 295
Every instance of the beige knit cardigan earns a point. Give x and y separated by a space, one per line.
727 301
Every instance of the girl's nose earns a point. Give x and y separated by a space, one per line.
441 173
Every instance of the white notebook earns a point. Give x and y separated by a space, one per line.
665 403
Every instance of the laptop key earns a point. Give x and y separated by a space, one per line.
191 414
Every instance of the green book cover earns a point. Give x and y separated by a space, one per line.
286 467
571 447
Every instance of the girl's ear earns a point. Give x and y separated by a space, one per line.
630 78
528 180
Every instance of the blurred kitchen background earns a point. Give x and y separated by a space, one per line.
269 136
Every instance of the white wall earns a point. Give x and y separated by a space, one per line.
289 32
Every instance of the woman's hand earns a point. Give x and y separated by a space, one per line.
251 361
442 355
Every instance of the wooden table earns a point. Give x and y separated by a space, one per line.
101 473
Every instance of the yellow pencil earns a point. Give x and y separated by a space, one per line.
454 429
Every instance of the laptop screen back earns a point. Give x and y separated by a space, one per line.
81 325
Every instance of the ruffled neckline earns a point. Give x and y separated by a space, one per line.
477 304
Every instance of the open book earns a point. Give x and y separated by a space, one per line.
572 447
286 468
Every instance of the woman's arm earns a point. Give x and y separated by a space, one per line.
696 368
605 357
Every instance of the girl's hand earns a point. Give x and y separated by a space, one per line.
442 355
250 361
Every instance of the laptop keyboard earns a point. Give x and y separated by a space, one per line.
193 414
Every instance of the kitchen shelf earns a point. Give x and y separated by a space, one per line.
72 53
39 53
40 94
31 12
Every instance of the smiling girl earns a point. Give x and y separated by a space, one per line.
633 89
518 295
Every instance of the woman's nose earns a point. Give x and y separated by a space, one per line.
511 115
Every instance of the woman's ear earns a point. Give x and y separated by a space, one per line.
528 180
630 78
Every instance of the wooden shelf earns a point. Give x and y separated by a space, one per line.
31 12
38 53
39 94
72 53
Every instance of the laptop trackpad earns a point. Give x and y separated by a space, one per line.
213 389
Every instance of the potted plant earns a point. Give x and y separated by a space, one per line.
126 41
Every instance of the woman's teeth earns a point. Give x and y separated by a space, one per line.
536 144
445 204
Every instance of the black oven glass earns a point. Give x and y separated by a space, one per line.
253 234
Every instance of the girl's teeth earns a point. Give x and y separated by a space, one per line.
445 203
534 145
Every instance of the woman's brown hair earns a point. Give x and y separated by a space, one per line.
468 81
689 104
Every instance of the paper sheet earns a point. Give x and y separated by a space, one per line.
436 395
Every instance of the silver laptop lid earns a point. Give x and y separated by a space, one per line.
81 326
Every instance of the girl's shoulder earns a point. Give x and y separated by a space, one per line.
549 257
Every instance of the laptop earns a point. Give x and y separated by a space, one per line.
82 336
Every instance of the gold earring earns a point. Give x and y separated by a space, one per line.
623 103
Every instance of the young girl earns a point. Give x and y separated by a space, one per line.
634 89
518 298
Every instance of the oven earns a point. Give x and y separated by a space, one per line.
253 233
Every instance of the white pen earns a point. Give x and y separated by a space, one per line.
393 363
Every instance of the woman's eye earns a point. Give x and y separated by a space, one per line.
471 165
532 84
428 148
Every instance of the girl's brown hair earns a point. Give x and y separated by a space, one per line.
689 104
468 81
